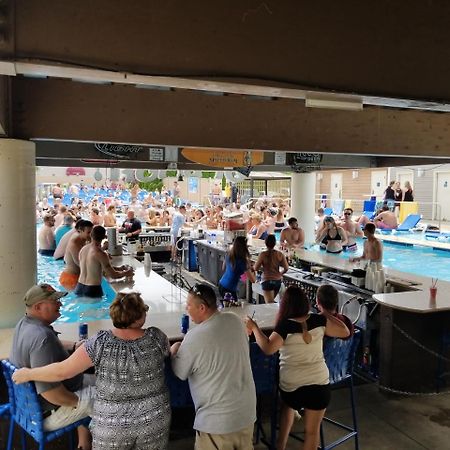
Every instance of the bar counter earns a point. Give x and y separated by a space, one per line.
166 305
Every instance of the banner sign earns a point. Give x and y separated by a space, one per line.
223 158
120 151
304 158
134 152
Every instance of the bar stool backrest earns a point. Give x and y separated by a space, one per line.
25 406
339 357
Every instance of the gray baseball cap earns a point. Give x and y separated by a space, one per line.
40 292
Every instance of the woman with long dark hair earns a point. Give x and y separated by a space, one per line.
304 376
271 260
237 262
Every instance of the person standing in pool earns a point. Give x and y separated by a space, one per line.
46 237
336 237
69 276
93 263
292 237
373 248
352 229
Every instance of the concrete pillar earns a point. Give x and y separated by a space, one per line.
17 227
303 192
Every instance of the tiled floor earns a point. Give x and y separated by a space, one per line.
385 423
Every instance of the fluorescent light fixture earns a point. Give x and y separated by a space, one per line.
333 101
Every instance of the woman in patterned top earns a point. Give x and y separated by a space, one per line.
132 408
304 377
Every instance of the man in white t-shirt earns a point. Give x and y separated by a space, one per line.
214 357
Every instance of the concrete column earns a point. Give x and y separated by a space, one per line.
303 192
17 227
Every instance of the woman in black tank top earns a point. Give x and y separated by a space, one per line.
408 193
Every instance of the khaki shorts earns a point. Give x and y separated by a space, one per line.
65 415
242 440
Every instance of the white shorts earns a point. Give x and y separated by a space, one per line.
65 415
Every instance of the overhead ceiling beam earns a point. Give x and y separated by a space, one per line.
65 110
380 49
312 97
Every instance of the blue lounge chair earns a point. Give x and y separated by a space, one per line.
410 222
437 236
369 205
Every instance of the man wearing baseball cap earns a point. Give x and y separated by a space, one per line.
36 344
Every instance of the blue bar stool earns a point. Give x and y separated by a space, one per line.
265 375
25 410
339 357
180 394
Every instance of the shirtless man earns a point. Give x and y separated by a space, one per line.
373 249
352 229
69 276
384 220
59 218
46 237
93 263
292 236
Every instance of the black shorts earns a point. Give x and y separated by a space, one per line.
46 252
314 396
271 285
83 290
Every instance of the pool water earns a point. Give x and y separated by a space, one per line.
74 309
416 259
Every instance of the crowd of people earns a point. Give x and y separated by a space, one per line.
128 398
67 229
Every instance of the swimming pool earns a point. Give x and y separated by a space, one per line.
74 309
416 259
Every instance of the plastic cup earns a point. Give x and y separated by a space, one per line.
433 292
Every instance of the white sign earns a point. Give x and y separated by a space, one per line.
156 154
280 158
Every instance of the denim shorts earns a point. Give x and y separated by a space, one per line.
271 285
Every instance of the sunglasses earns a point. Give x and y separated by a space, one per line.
195 290
347 214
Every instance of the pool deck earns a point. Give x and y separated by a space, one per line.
399 239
